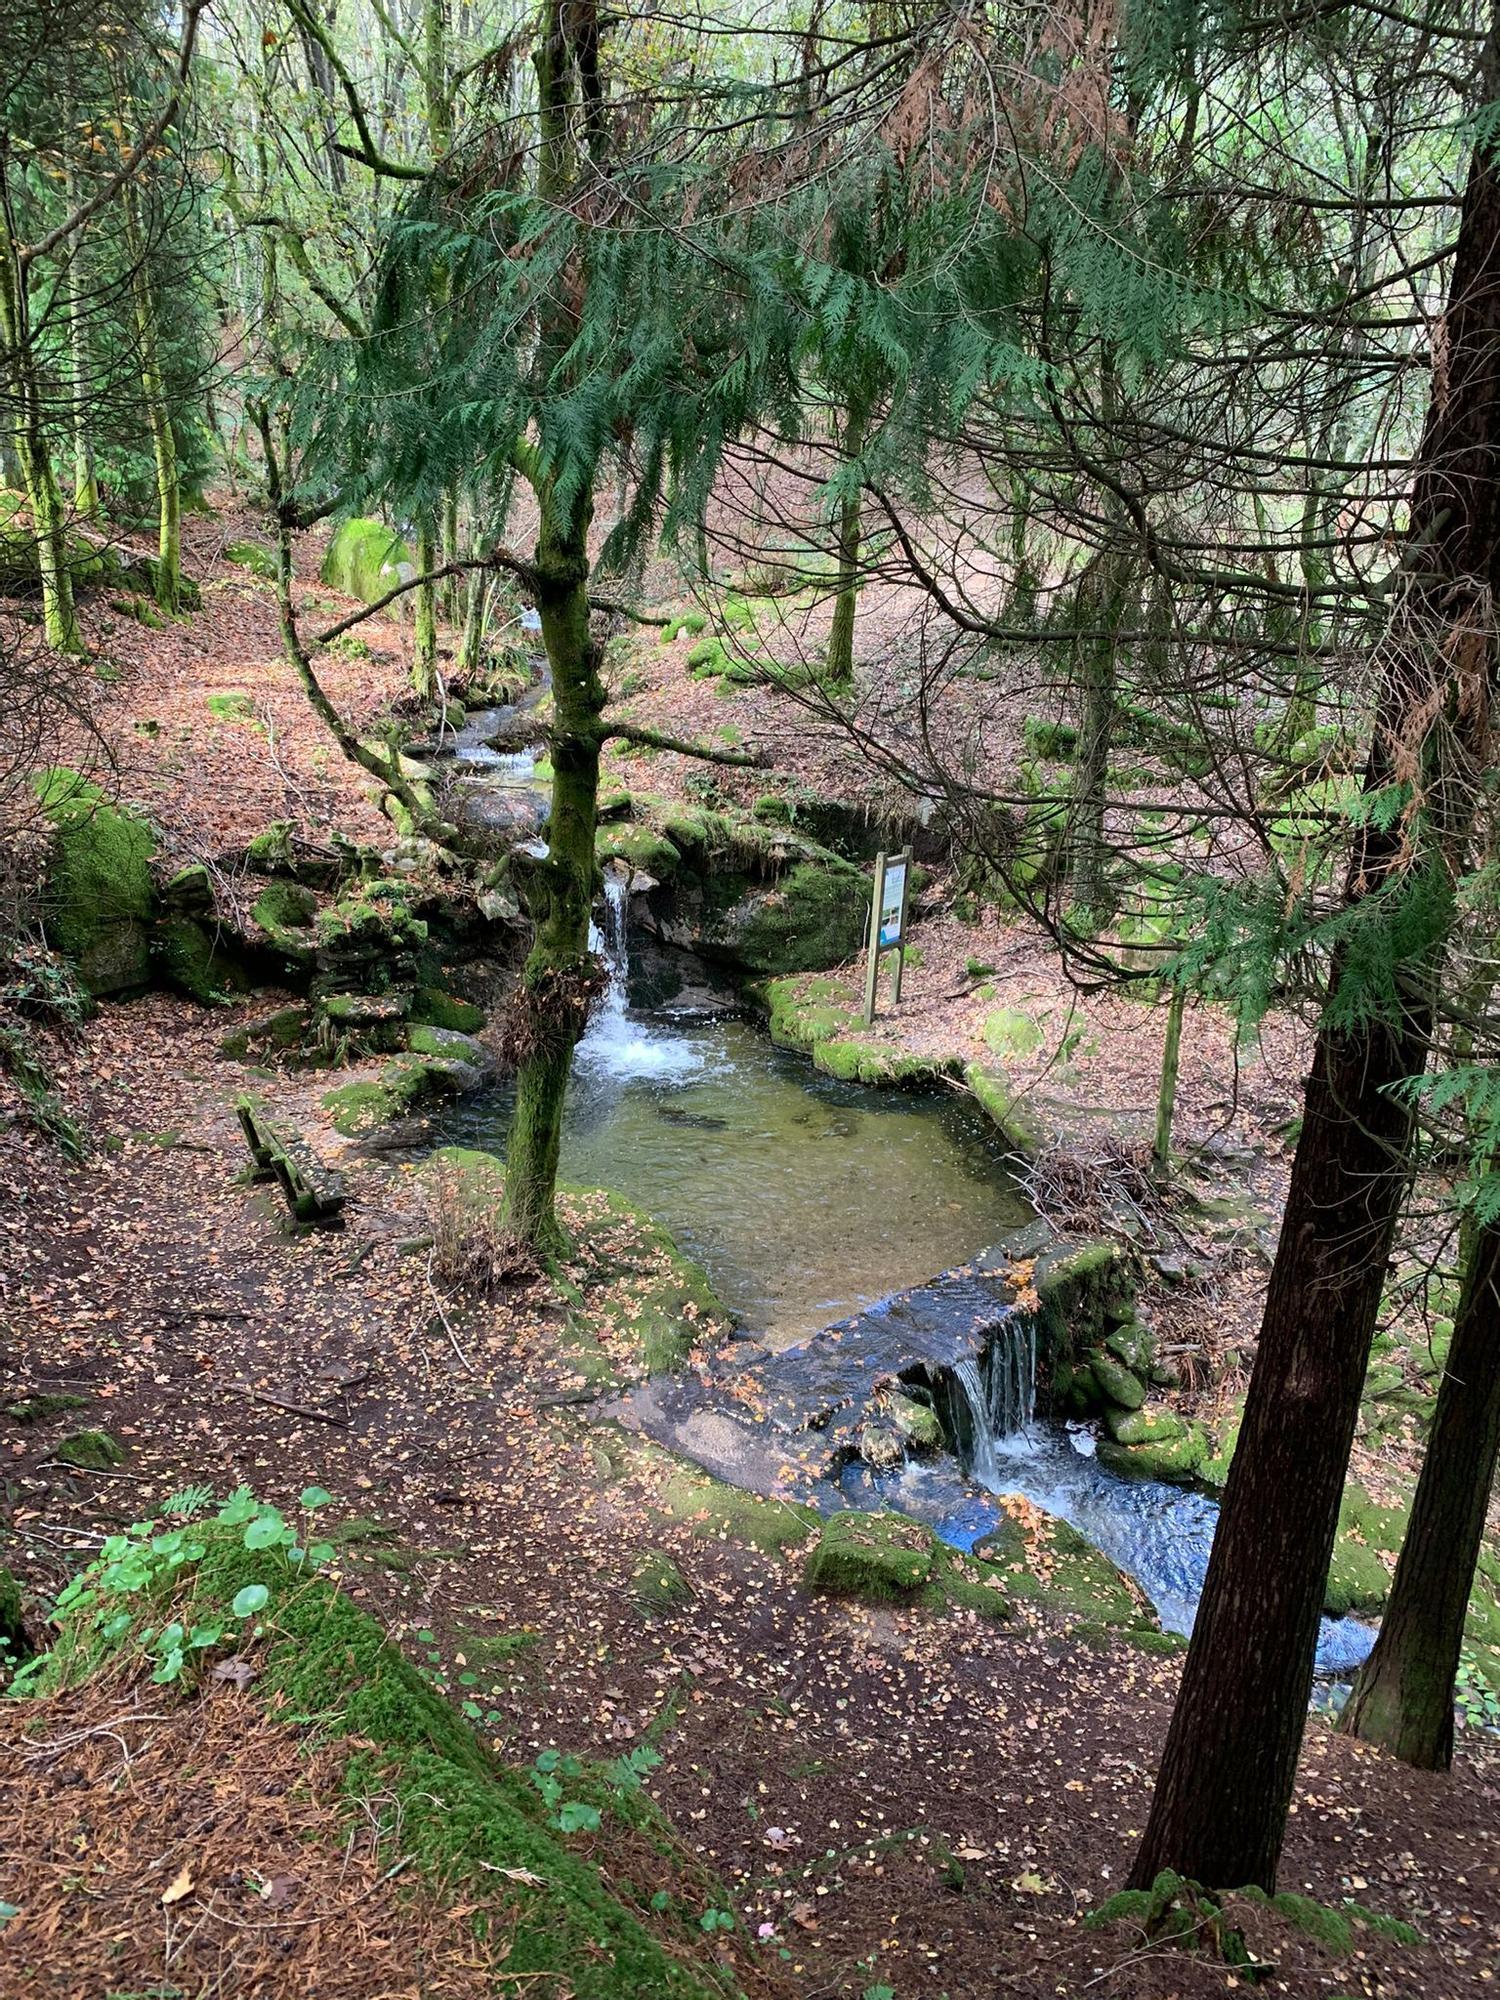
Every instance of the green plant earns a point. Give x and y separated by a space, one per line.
134 1566
1475 1696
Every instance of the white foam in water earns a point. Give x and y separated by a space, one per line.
617 1046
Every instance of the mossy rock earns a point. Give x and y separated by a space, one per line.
285 913
473 1828
814 916
641 848
100 897
1006 1108
39 1408
1009 1031
1132 1344
1175 1460
1144 1426
880 1557
406 1086
919 1425
433 1008
90 1451
815 1016
657 1585
195 961
189 893
1050 741
271 1034
364 560
253 556
1119 1384
1214 1471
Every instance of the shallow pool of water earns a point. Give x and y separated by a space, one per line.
803 1198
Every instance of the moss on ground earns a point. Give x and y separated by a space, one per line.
713 1510
51 1403
100 899
657 1584
363 560
253 556
642 1306
475 1829
1042 1560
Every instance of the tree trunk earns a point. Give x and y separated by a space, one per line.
424 642
59 617
1087 854
552 1005
1166 1096
1403 1696
158 414
85 479
841 634
1230 1761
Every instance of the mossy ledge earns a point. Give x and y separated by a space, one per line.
469 1822
813 1014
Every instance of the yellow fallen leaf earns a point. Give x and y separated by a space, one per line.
180 1884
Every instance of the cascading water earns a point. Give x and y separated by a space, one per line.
617 1045
997 1392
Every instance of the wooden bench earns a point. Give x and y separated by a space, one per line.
314 1193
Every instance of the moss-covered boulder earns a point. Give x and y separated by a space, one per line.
365 560
100 897
919 1425
812 916
406 1087
1174 1459
1144 1426
90 1451
195 959
1011 1032
431 1007
874 1556
1117 1383
372 940
641 848
14 1645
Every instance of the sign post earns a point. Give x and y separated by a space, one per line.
887 923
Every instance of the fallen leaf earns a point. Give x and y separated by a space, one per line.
180 1885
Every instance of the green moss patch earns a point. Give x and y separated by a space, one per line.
100 898
1174 1459
1006 1108
814 1014
1042 1560
253 556
657 1585
90 1451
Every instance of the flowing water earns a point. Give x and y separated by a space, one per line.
802 1197
1156 1532
807 1200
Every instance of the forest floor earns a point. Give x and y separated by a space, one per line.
898 1803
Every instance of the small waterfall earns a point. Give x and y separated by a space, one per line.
617 1046
995 1394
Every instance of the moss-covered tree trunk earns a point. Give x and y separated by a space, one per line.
85 478
850 533
1403 1696
158 413
49 521
424 639
552 1006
